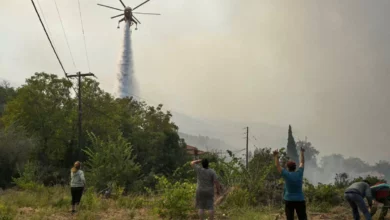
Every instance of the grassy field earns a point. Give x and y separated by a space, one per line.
53 203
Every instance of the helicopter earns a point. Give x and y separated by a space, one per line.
128 13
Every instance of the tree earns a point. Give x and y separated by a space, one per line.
6 94
291 146
15 149
46 110
111 163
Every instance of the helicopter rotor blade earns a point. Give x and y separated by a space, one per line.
142 13
140 4
122 4
110 7
136 19
117 16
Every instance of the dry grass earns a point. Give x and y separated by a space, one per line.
54 204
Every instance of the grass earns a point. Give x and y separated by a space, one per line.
54 203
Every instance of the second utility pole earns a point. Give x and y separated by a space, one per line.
79 75
247 139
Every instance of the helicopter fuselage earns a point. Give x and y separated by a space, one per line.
128 14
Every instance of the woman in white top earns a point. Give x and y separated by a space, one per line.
77 184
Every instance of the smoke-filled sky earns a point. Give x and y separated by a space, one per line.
321 66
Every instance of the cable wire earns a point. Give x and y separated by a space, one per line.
48 37
44 19
66 37
85 44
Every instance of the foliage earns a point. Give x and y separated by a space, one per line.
111 163
45 108
29 177
323 195
15 149
7 93
238 198
341 180
176 199
371 179
292 152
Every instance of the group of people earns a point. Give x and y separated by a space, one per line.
292 195
293 191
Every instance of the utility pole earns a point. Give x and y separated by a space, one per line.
247 141
79 75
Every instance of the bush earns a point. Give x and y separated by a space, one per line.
238 198
111 163
176 200
28 179
323 195
6 213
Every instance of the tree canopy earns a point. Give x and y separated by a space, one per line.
45 107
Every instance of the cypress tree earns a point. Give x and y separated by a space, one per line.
292 152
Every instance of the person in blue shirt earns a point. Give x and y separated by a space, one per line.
293 193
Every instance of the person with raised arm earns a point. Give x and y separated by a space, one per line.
293 193
206 179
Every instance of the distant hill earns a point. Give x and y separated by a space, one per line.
230 135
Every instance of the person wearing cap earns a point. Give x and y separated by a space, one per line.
355 195
293 193
381 192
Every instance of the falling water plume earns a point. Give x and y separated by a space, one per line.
126 82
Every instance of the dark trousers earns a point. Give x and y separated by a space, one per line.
298 206
76 192
356 202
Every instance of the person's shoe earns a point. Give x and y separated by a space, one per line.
73 211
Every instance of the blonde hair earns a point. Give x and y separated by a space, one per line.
76 166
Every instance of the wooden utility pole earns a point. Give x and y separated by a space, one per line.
79 75
247 141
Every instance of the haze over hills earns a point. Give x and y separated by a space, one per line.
230 135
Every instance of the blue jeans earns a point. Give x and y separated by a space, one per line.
356 201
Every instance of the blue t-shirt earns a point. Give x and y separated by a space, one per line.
293 185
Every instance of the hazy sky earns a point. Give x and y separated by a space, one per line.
322 66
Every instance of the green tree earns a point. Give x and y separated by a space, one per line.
7 93
291 146
45 108
111 163
15 148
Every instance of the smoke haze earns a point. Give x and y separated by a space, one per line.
321 66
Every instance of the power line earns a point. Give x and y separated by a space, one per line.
47 35
63 30
44 18
85 44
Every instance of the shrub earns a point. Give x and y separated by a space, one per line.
238 198
89 200
6 213
176 199
111 163
28 179
323 195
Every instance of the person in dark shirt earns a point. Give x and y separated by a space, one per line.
293 193
381 192
355 195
